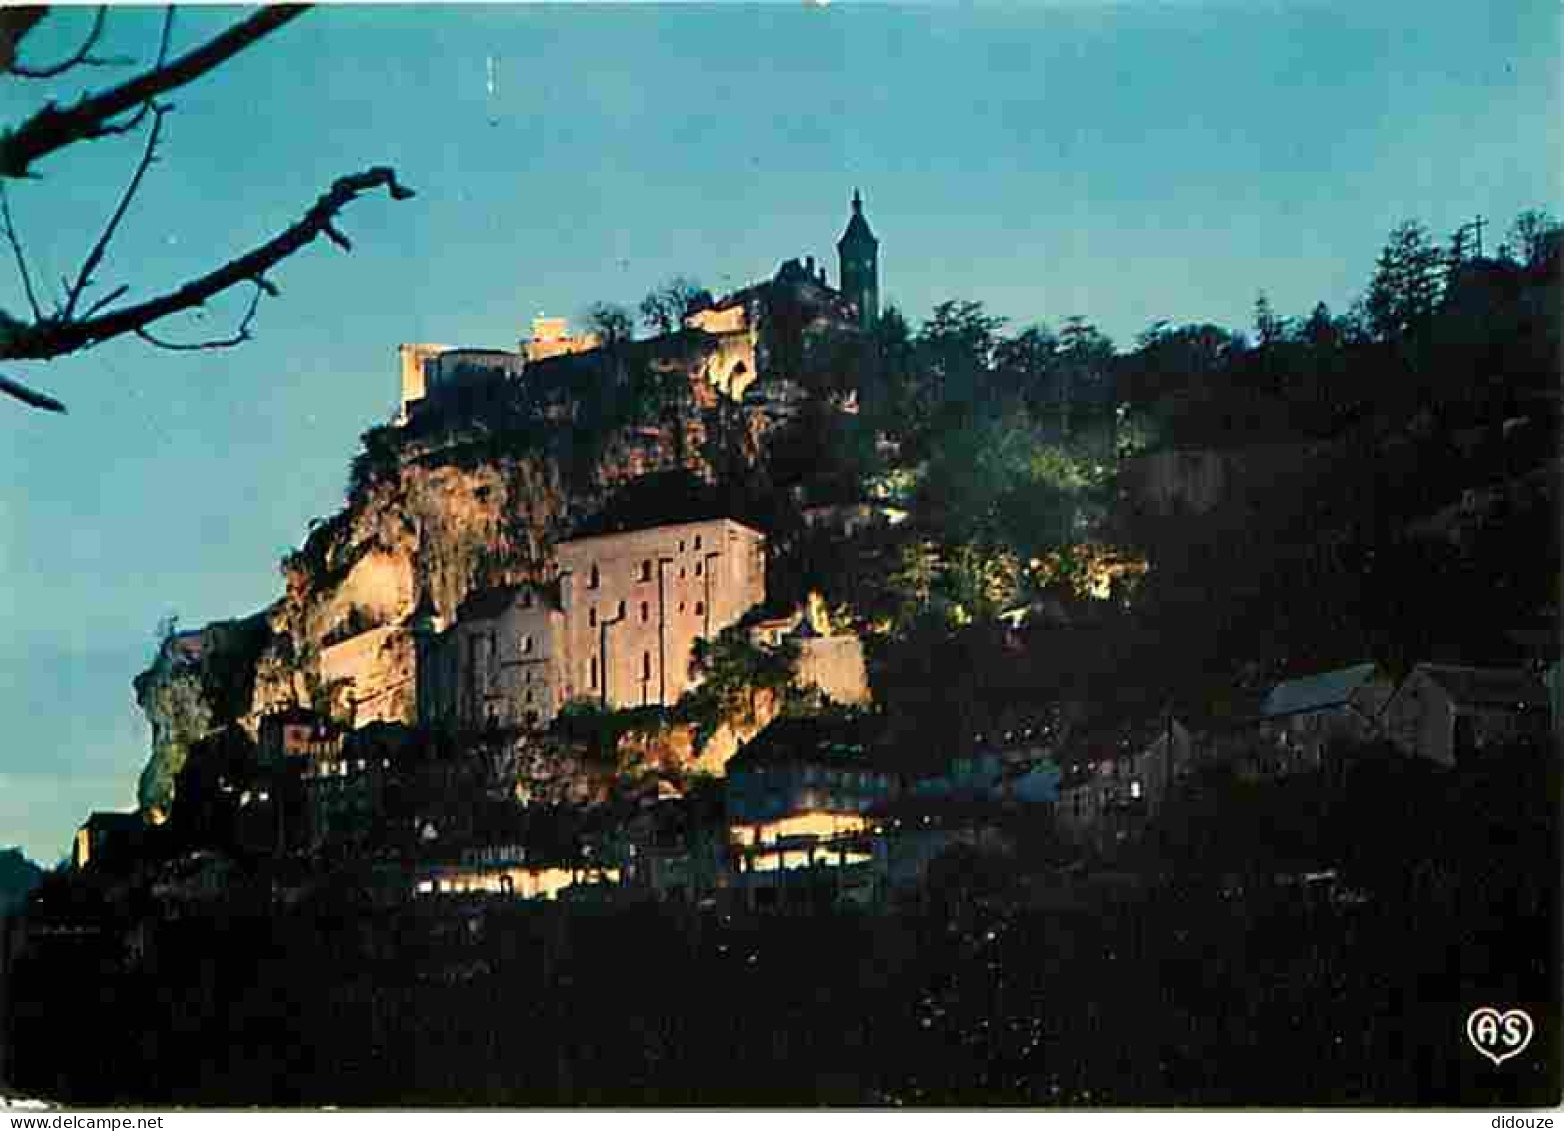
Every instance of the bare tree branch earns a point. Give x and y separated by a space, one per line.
117 293
238 337
29 396
81 58
118 110
16 249
95 256
15 23
53 128
53 338
115 129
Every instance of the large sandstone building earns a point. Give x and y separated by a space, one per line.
618 626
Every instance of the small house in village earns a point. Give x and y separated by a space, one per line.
830 662
297 735
105 838
1300 718
1449 713
1116 778
799 797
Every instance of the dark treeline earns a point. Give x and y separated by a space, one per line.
1343 442
1207 983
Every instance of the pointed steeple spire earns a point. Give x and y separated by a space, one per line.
859 253
857 227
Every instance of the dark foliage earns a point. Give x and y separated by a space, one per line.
1226 981
18 876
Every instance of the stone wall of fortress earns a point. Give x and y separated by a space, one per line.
373 673
635 602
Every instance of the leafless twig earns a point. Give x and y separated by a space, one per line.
53 128
118 110
82 57
54 338
29 396
238 337
16 249
95 256
113 129
117 293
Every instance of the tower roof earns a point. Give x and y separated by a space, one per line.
857 227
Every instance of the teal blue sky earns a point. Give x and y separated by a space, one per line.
1126 161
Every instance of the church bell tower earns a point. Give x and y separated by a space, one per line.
859 255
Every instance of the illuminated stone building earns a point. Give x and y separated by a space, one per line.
831 662
551 337
501 664
800 795
635 602
618 626
761 330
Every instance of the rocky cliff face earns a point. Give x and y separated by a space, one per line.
445 523
472 493
198 680
441 513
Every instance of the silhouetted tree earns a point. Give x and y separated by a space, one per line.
1028 366
665 309
1534 237
1268 328
612 323
1406 285
956 350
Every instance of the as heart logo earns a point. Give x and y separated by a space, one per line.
1499 1036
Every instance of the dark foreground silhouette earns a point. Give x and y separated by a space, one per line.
1217 977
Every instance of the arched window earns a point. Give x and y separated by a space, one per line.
700 567
526 643
646 665
594 671
594 579
697 541
621 613
646 612
592 617
646 570
700 608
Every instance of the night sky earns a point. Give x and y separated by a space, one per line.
1125 161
